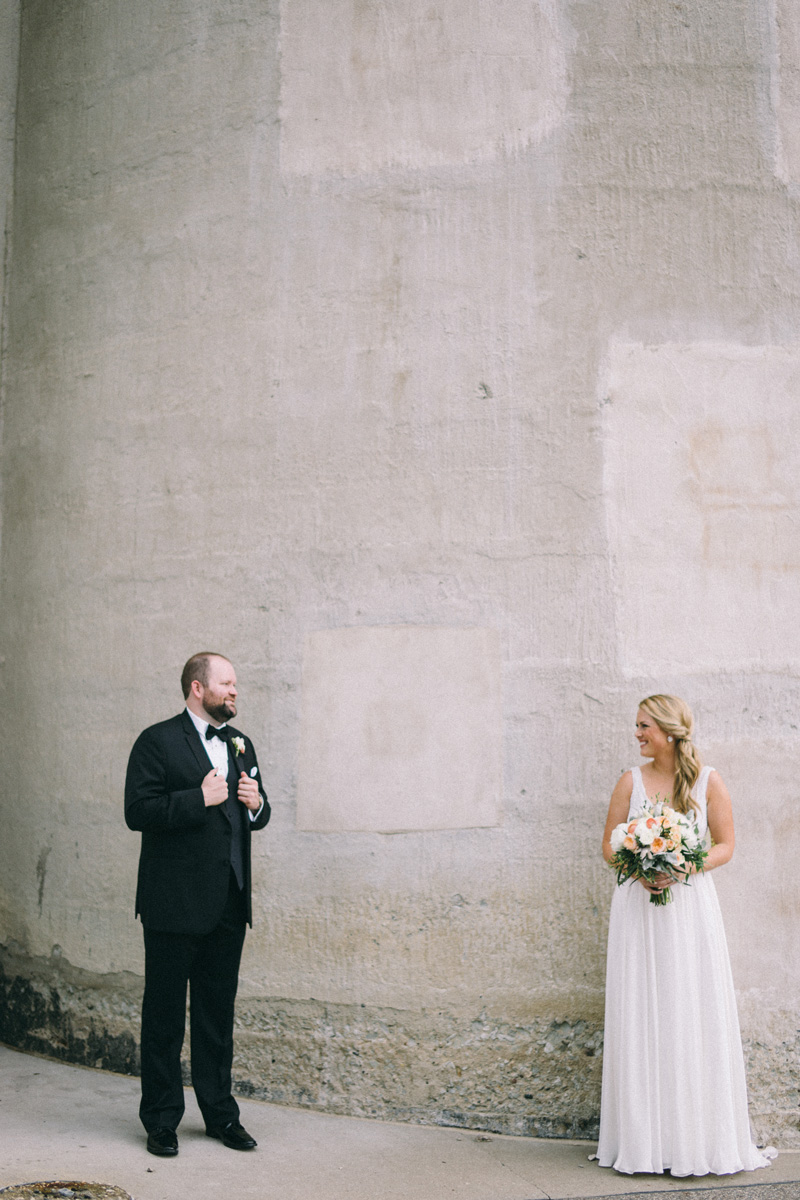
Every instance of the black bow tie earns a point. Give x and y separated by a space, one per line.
224 733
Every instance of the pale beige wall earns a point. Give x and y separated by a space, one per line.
297 346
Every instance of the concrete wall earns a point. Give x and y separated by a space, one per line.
332 317
9 56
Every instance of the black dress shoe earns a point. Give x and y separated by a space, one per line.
232 1135
162 1141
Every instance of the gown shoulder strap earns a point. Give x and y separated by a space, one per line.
700 788
638 794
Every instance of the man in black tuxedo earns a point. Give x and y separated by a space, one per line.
194 791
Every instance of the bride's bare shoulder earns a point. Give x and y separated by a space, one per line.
624 788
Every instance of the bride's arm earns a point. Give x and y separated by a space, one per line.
617 811
720 823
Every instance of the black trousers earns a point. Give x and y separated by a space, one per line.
209 965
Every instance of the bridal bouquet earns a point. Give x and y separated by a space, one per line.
657 841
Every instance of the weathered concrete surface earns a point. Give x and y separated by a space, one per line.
786 90
292 347
428 1067
49 1007
9 59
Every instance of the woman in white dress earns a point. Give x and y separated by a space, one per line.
674 1089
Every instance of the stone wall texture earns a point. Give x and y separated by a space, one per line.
478 315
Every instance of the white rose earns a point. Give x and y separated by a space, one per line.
644 834
618 837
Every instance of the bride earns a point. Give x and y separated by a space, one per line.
674 1091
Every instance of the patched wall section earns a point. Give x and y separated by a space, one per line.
702 479
400 730
366 87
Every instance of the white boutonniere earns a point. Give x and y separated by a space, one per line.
238 745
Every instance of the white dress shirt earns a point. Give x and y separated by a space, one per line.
217 751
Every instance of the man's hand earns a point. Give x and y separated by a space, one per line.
248 793
215 788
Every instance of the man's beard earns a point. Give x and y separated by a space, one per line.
221 711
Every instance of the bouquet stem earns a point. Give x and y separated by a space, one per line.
661 898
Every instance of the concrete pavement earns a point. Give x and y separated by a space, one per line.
63 1122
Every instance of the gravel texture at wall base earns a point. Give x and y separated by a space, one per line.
539 1077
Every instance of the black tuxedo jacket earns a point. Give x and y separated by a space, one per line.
184 866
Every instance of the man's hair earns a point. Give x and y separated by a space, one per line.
197 668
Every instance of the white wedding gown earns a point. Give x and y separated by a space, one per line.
674 1088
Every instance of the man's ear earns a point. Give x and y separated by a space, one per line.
197 689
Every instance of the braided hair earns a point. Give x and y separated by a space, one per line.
674 717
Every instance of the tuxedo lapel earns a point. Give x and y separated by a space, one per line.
237 760
237 767
234 811
231 806
198 749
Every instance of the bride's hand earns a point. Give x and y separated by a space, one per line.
657 885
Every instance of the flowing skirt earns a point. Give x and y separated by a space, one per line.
674 1087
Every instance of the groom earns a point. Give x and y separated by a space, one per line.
194 791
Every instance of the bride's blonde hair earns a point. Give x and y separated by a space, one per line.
674 717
